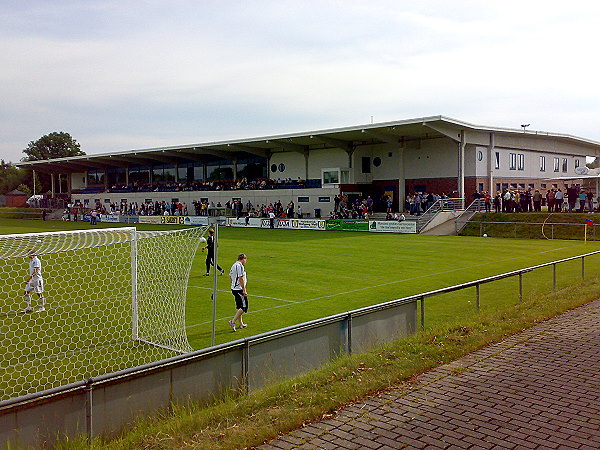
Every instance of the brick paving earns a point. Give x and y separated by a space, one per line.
539 389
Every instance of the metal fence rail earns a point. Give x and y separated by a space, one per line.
104 405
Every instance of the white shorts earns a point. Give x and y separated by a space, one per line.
35 285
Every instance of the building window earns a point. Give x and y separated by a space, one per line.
542 163
543 185
497 160
377 161
480 187
324 199
273 168
556 164
513 161
281 167
497 186
303 199
366 164
504 186
576 163
565 165
479 155
521 161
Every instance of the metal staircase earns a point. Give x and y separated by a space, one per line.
461 221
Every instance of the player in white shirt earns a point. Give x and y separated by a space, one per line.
35 283
238 278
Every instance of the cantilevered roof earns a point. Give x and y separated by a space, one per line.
346 138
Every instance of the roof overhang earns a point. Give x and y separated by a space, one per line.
348 138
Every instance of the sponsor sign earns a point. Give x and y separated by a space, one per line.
309 224
253 222
149 219
195 220
348 225
393 226
172 220
110 218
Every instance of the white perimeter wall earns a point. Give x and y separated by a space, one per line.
257 197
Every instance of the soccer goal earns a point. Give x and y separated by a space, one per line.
114 299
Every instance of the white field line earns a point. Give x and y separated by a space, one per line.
371 287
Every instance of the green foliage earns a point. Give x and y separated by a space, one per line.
11 177
53 145
24 188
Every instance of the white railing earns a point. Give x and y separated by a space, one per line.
443 204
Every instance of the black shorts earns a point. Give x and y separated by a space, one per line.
241 300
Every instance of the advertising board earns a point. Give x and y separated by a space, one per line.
392 226
109 218
348 225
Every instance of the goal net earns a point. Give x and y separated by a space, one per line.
113 299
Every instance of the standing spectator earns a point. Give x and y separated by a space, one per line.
537 201
237 275
550 200
558 200
210 254
299 212
488 202
44 214
497 202
589 196
93 217
336 203
582 199
571 197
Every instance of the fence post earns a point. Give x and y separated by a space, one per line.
477 296
349 325
422 313
554 276
552 230
515 230
583 267
246 367
520 286
480 229
89 419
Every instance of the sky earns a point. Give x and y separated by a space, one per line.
120 75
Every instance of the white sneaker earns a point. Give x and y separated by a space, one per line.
232 325
244 325
28 309
41 309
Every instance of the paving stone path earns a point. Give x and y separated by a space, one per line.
537 389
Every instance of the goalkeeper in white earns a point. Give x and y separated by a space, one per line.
35 283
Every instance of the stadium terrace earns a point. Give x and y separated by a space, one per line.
391 159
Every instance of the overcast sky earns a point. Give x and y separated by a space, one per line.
121 75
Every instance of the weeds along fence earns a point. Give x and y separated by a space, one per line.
536 230
105 405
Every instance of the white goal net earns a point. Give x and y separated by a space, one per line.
112 299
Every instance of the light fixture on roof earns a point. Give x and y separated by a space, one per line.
525 125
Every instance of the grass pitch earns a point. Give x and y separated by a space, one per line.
296 276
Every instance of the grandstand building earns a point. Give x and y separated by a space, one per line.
431 154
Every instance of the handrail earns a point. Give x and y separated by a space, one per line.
443 204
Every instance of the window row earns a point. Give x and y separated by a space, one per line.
517 162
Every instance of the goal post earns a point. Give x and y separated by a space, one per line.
114 299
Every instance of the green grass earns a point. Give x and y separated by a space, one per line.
296 276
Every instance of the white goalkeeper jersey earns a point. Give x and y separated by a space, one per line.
33 264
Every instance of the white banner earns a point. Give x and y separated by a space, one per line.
253 222
149 219
195 220
109 218
392 226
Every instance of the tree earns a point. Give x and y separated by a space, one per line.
10 177
53 145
